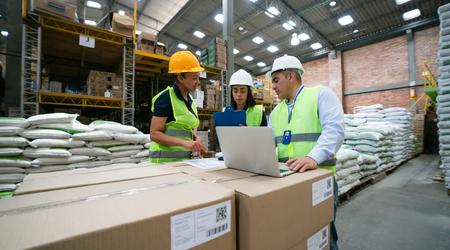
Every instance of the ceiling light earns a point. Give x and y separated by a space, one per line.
303 37
4 33
333 3
90 22
198 53
236 51
160 44
287 26
253 1
138 32
182 46
272 11
261 64
199 34
240 28
355 31
345 20
411 14
400 2
272 48
93 4
258 40
315 46
292 23
295 40
121 12
248 58
219 18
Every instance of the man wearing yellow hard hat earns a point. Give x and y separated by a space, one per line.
175 114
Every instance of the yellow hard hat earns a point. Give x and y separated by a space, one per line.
184 61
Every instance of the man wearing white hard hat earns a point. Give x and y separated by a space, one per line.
308 124
241 83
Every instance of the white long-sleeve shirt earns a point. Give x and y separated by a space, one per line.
331 116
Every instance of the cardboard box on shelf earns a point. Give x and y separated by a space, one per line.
98 82
117 87
58 8
122 24
166 212
160 50
280 213
55 86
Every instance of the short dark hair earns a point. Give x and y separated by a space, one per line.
298 77
181 74
250 102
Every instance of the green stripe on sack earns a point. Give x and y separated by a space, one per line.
6 193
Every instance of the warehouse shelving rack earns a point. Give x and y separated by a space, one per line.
109 44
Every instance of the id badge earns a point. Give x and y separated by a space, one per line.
286 137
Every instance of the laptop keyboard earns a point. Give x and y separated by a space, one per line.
283 168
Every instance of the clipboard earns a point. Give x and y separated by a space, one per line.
230 118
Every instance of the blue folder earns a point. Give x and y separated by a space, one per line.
230 118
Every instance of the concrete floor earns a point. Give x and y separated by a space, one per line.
405 210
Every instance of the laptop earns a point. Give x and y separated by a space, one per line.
251 149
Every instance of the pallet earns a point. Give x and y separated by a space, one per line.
439 178
391 170
448 192
363 183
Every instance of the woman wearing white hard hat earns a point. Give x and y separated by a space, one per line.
241 83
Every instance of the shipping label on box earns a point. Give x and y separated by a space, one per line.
196 227
319 240
322 190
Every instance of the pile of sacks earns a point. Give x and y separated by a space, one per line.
347 170
404 146
443 99
53 142
371 113
13 165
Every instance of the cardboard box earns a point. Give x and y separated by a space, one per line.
89 177
280 213
122 24
55 87
160 50
166 212
58 8
98 82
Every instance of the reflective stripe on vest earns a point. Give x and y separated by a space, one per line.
179 133
327 163
170 154
300 137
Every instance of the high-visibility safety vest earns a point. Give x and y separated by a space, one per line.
182 127
253 115
305 127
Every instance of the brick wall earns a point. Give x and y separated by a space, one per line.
316 72
376 64
426 49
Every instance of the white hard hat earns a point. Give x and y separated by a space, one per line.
286 62
241 77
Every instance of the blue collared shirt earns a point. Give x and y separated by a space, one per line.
331 116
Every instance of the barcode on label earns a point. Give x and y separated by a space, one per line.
328 183
216 230
221 214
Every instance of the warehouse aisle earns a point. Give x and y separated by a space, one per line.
405 210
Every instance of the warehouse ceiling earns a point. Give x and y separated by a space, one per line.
308 29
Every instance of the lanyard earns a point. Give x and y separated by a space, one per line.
290 108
